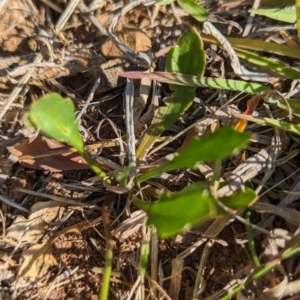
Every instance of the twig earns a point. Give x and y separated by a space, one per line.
86 10
13 204
248 27
89 99
55 198
239 69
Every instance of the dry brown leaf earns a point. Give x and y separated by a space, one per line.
128 227
278 282
36 264
31 229
291 216
41 146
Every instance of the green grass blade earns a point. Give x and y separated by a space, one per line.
268 64
195 10
196 81
278 13
164 2
293 128
256 45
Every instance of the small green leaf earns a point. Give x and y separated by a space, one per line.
217 145
190 206
188 57
279 14
180 210
195 10
239 199
54 116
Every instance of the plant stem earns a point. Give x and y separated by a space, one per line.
251 241
285 254
92 163
103 294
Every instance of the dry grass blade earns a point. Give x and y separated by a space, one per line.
177 266
290 215
239 69
199 285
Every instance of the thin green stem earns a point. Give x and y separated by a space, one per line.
216 176
144 257
262 271
251 241
93 164
104 290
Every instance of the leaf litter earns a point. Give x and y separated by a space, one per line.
56 250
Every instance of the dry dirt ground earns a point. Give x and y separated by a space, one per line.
52 243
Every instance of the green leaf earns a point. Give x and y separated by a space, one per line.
188 80
190 206
294 128
54 116
240 199
217 145
164 2
187 57
269 64
195 10
279 14
256 45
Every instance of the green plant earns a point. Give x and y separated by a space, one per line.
174 212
